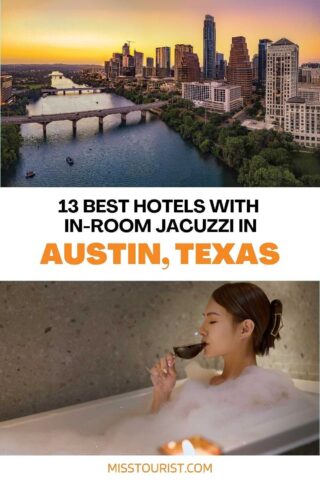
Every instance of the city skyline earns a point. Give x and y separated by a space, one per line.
52 32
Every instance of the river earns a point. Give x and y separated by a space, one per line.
138 154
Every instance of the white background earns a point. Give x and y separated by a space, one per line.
287 217
95 468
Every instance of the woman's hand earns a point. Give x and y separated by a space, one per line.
163 377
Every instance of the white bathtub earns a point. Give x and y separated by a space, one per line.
93 418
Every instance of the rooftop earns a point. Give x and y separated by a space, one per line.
296 100
283 41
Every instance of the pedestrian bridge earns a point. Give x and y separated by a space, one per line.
74 117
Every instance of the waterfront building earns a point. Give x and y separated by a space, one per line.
310 92
302 120
262 61
209 48
221 66
179 51
163 62
138 63
310 73
281 78
189 69
6 88
214 96
239 70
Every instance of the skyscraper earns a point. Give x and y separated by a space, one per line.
189 68
239 70
262 61
281 78
138 63
179 50
209 48
255 67
163 61
125 50
221 66
128 66
149 62
113 67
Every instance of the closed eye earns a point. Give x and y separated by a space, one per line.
212 321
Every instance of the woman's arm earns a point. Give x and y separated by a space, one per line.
163 377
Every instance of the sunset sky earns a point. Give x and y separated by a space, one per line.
88 31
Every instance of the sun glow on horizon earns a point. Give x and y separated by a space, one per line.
54 32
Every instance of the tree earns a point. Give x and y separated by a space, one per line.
234 151
276 156
11 142
205 146
248 169
256 172
311 180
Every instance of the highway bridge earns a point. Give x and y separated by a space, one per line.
55 91
74 117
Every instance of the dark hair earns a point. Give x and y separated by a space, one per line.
247 301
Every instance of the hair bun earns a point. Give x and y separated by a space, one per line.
276 318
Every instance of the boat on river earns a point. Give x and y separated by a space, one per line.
30 174
69 161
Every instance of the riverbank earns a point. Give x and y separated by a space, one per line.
11 138
264 158
258 158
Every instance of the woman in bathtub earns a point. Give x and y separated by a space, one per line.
239 323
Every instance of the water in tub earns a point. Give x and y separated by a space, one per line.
222 413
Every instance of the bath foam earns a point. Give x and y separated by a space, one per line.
222 413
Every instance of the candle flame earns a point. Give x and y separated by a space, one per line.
187 448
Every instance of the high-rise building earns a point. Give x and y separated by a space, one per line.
209 48
310 92
128 66
149 62
255 67
163 62
125 49
6 88
189 69
262 61
281 78
239 70
113 67
215 96
138 63
149 70
179 51
302 120
310 73
221 66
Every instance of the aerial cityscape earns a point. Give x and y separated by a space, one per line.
175 117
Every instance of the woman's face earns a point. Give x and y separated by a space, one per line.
219 330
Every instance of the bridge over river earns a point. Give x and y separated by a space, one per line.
74 117
55 91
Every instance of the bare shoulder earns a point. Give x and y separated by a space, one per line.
216 380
